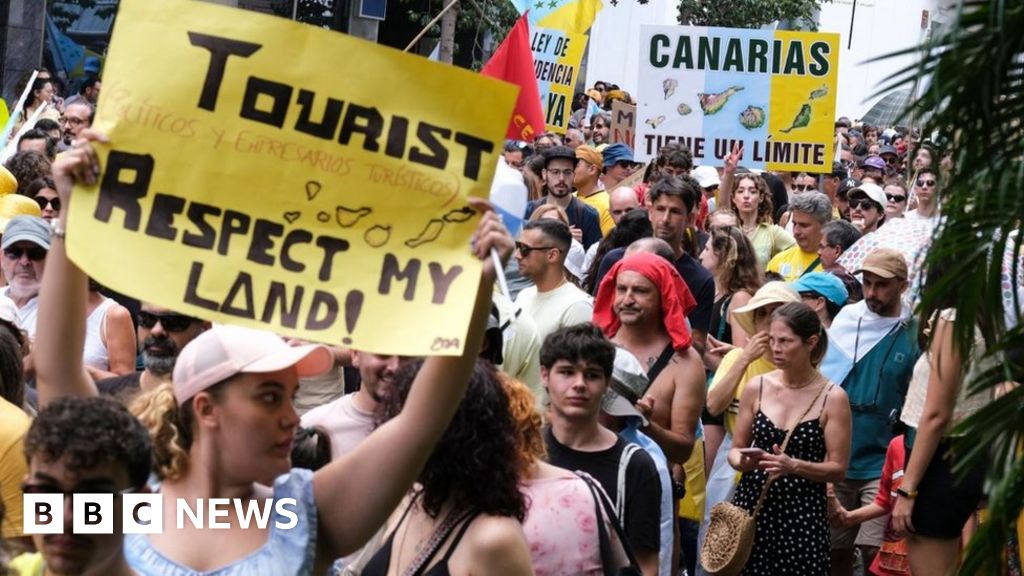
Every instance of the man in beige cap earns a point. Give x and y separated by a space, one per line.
587 183
871 354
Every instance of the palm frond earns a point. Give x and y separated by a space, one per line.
970 78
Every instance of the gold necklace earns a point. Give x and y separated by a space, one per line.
813 379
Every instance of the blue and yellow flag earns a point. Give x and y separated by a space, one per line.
569 15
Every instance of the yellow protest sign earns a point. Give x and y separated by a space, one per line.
266 173
557 55
709 88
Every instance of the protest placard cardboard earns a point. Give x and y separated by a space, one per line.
557 55
623 125
772 91
288 178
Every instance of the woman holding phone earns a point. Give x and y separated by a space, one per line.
793 433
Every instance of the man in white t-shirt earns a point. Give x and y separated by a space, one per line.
26 241
349 419
552 301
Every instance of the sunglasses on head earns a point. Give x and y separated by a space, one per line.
35 253
926 183
170 322
53 202
896 198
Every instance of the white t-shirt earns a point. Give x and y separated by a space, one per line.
520 345
564 306
27 314
346 425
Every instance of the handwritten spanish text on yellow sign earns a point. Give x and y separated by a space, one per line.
275 175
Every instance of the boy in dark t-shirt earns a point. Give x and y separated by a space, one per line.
576 367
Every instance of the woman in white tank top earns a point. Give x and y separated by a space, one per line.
110 346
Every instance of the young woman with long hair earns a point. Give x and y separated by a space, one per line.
463 515
729 256
752 202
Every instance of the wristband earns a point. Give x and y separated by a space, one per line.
56 230
908 494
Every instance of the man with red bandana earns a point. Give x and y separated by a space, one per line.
641 306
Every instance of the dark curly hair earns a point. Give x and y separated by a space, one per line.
89 432
477 462
765 207
26 166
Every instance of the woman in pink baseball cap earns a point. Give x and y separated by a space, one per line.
225 428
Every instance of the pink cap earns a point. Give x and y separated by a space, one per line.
224 351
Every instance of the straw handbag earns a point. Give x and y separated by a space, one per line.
730 535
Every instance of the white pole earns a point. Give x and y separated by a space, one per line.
17 109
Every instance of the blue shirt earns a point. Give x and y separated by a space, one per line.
287 552
580 215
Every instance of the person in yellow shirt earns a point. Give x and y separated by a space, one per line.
586 181
14 424
810 211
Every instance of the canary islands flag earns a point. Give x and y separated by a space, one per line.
569 15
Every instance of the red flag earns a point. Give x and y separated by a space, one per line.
513 62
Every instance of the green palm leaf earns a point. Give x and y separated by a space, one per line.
971 82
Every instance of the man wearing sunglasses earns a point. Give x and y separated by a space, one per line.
26 241
872 351
161 334
553 302
83 446
926 192
559 172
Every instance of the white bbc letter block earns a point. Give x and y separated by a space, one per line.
93 513
43 514
142 513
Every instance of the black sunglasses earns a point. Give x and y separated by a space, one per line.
896 198
53 202
35 253
525 250
856 203
804 187
926 183
170 322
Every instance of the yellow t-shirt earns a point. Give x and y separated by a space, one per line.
756 368
14 425
28 564
599 201
792 263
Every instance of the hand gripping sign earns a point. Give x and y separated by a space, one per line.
270 174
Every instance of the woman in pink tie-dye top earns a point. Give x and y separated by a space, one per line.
561 519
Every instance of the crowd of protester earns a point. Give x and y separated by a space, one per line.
677 336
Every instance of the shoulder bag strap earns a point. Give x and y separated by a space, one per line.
438 538
601 502
620 489
785 442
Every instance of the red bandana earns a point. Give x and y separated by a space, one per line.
676 299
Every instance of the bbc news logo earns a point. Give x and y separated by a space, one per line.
144 513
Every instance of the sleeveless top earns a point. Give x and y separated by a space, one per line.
287 552
95 352
381 561
792 536
561 527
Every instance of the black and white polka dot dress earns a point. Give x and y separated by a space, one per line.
792 535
